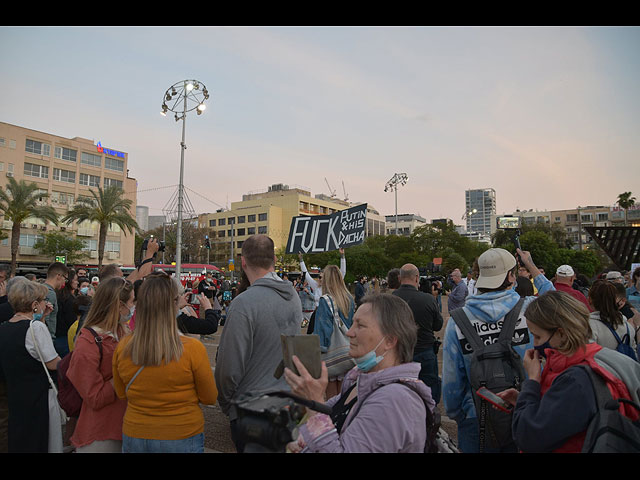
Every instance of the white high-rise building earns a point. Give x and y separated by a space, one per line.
480 204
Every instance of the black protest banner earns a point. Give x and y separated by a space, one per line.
323 233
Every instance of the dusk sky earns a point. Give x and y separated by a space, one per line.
547 116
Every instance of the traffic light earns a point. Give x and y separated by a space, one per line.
207 243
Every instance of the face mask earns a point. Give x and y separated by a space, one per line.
129 315
369 360
37 316
540 348
84 290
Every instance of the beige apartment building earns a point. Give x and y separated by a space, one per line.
270 211
66 169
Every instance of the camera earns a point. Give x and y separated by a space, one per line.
267 423
427 282
146 243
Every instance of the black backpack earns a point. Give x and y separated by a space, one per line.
609 431
624 344
497 367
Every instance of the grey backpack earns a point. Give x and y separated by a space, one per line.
497 367
609 431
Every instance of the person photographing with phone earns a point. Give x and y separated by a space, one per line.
556 403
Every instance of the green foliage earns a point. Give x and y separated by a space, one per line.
56 243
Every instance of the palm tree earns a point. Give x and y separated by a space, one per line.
106 207
19 201
625 201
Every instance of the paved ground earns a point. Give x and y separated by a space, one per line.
217 432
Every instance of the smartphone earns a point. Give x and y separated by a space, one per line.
494 399
226 296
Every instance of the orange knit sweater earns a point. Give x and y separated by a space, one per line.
163 401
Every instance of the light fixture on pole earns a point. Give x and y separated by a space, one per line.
392 184
180 98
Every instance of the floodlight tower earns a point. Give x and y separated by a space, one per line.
392 184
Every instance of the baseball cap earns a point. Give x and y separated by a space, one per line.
613 275
494 264
95 280
565 271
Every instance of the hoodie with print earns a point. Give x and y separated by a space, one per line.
485 311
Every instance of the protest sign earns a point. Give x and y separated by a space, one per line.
324 233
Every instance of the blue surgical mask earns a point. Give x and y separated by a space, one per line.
37 316
84 290
541 348
369 360
126 318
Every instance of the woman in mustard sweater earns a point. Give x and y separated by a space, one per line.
163 375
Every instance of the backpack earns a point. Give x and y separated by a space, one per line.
624 345
497 367
609 431
68 397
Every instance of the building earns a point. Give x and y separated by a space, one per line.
480 205
407 223
574 220
269 211
142 217
155 221
527 217
66 169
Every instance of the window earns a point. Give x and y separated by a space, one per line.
33 170
586 217
241 219
113 164
262 230
221 233
62 198
212 223
64 153
241 232
222 221
64 175
603 217
39 148
251 218
572 217
112 246
112 182
91 159
29 239
251 231
240 244
90 244
89 180
231 220
262 217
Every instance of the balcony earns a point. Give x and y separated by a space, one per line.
27 251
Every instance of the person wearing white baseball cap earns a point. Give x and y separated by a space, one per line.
486 311
565 276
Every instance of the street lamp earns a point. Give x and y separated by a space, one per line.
183 97
392 184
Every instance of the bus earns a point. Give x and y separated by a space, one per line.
190 271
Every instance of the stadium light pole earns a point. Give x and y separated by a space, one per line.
392 184
184 96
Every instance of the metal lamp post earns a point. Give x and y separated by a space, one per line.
392 184
184 96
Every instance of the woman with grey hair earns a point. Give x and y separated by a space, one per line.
382 406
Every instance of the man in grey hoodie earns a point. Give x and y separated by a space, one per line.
250 348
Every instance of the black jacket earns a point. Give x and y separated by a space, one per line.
425 313
202 326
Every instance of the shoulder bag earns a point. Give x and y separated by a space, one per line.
337 357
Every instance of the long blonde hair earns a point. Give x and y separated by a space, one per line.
104 312
156 338
333 285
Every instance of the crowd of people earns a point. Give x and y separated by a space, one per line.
130 349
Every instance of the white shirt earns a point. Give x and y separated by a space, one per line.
317 290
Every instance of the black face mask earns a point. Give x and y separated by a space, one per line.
540 348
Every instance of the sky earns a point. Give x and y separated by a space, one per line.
547 116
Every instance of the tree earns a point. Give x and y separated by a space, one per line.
19 201
626 201
56 243
107 207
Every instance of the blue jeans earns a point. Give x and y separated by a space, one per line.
429 371
193 444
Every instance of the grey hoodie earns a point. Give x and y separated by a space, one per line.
250 348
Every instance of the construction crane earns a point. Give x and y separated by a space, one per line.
331 190
346 197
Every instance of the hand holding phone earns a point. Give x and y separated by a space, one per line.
494 400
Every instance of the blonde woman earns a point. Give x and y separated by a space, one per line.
335 299
163 375
99 427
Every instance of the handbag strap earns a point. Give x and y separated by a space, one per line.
46 370
132 379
